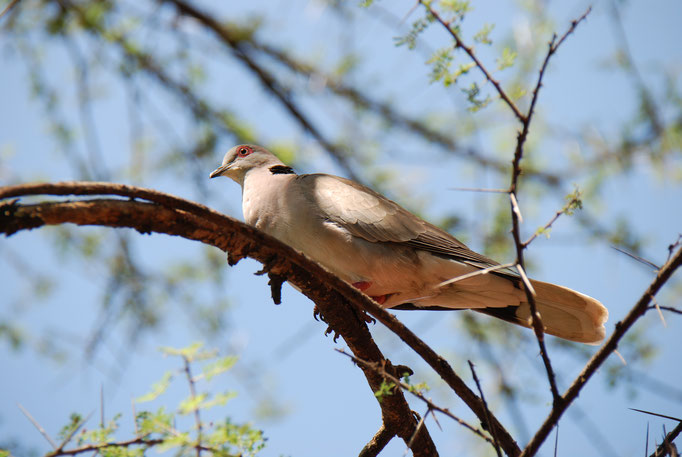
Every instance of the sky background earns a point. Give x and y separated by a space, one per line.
284 357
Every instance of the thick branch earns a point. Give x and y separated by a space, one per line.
175 216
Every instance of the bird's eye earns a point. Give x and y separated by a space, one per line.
244 151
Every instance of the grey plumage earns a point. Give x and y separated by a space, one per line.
365 238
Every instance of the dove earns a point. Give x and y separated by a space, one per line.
395 257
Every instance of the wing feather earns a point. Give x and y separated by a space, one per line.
373 217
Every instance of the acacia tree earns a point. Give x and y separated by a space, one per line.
159 51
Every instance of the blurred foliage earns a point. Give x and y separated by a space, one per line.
155 431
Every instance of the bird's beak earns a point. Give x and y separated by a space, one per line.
219 171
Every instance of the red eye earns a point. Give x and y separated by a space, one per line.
244 151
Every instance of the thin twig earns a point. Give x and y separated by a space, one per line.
551 222
656 414
66 440
8 8
480 189
420 424
668 308
664 447
406 387
536 319
637 258
487 410
193 394
480 272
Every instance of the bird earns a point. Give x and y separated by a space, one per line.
392 255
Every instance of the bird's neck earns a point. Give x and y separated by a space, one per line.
262 190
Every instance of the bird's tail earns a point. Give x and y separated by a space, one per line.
565 313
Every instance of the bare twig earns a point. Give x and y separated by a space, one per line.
664 448
536 319
637 258
487 410
480 272
139 441
8 8
420 424
479 189
406 387
667 308
567 207
637 311
193 395
656 414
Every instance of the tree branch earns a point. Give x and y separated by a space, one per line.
174 216
600 357
241 240
536 318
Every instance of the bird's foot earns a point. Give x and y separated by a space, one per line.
317 314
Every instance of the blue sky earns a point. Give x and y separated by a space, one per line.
329 407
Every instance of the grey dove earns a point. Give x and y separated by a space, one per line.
400 260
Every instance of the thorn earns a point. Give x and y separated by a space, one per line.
660 313
622 359
38 426
515 207
526 280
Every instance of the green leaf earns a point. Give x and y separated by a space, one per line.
157 388
386 388
173 441
75 420
483 35
440 65
507 59
188 351
219 366
191 352
219 400
154 422
410 39
473 92
457 7
190 404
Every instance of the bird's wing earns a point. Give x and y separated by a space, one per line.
373 217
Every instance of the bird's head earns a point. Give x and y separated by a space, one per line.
242 158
